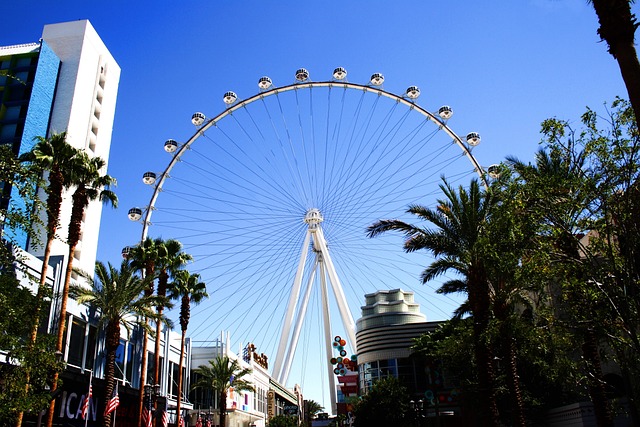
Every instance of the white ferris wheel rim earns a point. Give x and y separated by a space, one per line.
146 221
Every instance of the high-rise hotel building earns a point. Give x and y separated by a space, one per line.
68 81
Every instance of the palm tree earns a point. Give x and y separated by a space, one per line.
170 259
617 27
143 258
119 298
221 375
189 289
459 221
91 184
56 156
311 409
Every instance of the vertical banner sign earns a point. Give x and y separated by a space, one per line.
271 404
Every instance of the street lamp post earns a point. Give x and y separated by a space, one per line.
151 392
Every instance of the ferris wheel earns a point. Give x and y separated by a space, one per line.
272 197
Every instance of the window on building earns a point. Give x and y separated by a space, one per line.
130 357
120 362
173 378
151 372
91 347
76 342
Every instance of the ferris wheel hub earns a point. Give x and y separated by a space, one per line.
313 217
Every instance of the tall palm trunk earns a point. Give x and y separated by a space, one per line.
179 397
184 323
113 341
54 201
143 368
513 381
479 300
143 376
617 27
162 292
223 409
595 380
75 227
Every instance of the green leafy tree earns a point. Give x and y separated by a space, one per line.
386 404
576 291
601 254
455 240
283 421
38 359
190 290
90 184
118 296
220 375
562 189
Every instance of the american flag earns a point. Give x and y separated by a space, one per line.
85 404
199 421
147 420
114 402
165 419
208 422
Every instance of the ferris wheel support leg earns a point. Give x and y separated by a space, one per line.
345 313
291 350
327 338
293 302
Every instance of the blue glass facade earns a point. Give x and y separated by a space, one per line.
26 105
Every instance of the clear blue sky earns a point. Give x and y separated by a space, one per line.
503 66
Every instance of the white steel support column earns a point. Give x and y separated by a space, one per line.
299 321
343 307
293 302
327 337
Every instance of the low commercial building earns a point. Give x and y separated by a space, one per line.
390 322
244 409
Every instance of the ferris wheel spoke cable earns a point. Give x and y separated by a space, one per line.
236 177
275 170
263 173
352 146
366 184
295 167
344 144
356 172
259 295
303 144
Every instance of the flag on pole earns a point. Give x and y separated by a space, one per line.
85 404
199 421
114 402
165 419
147 417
